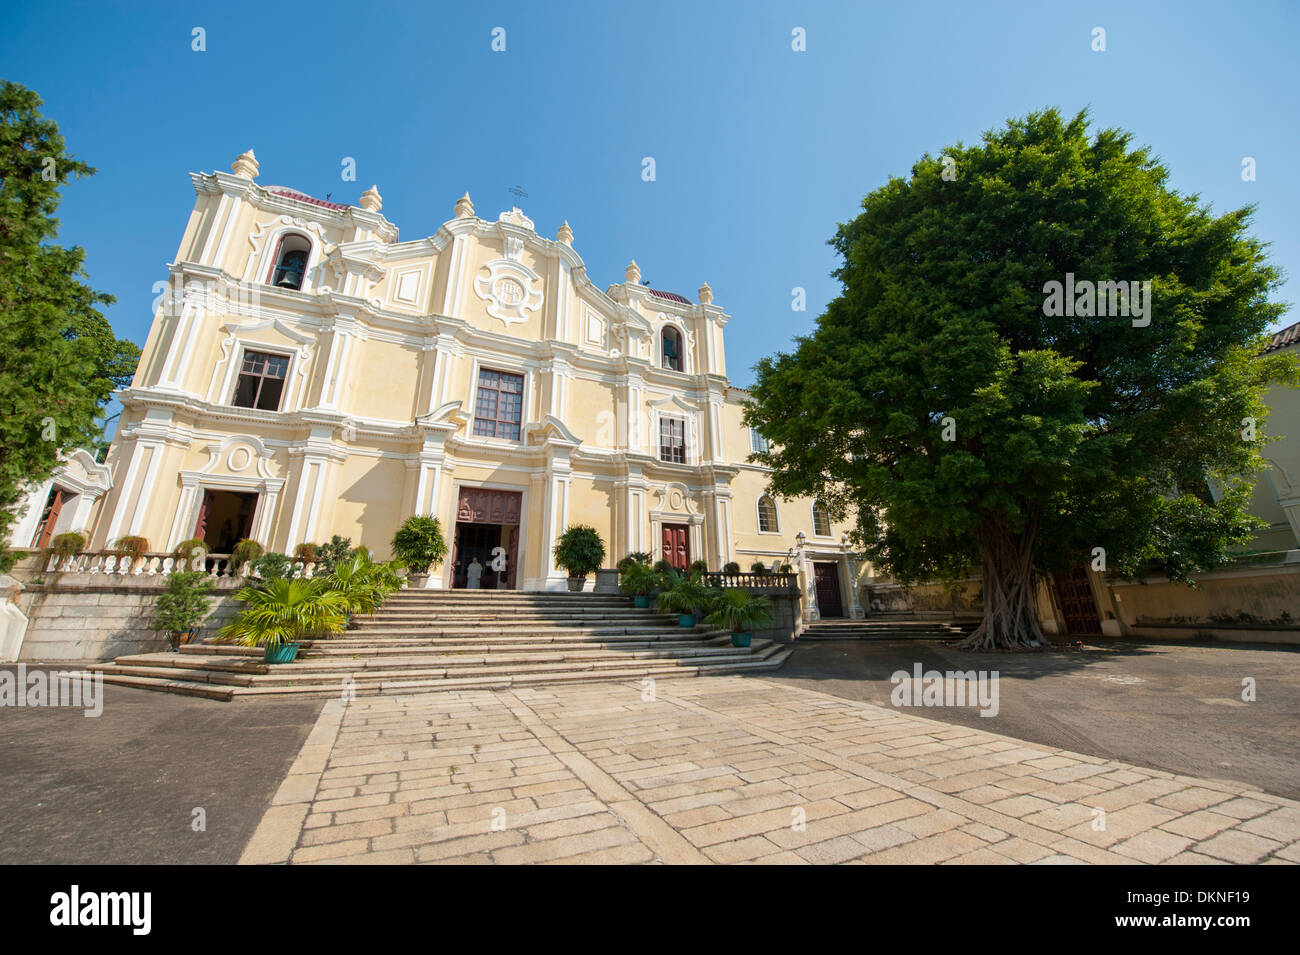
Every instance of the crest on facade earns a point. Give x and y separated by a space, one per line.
507 290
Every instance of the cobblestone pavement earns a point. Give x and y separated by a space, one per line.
730 769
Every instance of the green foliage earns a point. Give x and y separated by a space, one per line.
186 550
699 567
731 567
638 579
245 552
59 359
758 567
364 584
580 550
664 567
10 557
328 556
636 557
285 611
419 543
740 611
1063 433
272 566
185 604
687 593
67 545
133 547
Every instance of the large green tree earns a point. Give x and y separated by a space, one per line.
977 421
59 358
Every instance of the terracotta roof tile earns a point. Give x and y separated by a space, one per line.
1287 336
303 197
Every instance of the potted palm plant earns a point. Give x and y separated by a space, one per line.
281 612
179 612
740 612
684 596
639 580
364 584
418 544
579 551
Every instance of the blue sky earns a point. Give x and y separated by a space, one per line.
760 150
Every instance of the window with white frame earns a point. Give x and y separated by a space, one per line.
757 443
672 439
767 518
821 520
261 381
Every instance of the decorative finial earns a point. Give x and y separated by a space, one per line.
464 208
706 294
565 234
633 272
371 200
246 165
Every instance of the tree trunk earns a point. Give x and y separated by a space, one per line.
1009 620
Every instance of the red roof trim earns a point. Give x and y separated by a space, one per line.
1287 336
303 197
670 296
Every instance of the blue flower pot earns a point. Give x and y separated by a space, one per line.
740 639
281 653
641 600
686 619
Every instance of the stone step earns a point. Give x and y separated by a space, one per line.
774 660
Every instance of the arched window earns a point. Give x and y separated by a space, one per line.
291 261
671 341
767 523
821 520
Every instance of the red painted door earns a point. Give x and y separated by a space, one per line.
49 519
677 545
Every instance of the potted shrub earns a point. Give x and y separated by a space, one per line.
305 553
418 544
67 545
189 551
683 596
731 567
636 557
579 551
273 566
280 613
184 606
329 556
133 547
757 567
245 552
640 581
364 584
740 612
699 567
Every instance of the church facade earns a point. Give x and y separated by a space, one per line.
309 374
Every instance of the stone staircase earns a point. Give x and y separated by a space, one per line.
885 627
424 641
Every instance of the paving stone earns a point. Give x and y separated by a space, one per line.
1237 846
1153 846
1199 825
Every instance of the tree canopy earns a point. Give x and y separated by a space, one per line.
980 413
59 358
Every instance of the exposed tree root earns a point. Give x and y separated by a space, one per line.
1009 620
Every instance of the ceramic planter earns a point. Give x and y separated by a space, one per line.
686 619
740 639
576 584
179 638
280 653
417 581
641 600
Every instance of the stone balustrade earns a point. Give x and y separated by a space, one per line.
156 565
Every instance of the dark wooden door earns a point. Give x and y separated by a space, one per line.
1079 607
827 578
677 545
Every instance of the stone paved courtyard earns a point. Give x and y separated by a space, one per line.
730 769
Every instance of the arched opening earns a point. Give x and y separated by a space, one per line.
671 347
291 261
767 522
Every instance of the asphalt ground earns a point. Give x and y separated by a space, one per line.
123 787
1176 707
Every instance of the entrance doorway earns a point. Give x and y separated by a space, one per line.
487 533
676 542
225 518
50 516
1078 606
826 576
